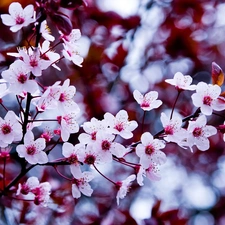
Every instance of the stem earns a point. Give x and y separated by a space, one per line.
22 173
104 175
42 120
55 167
195 114
174 104
124 162
26 113
3 106
51 48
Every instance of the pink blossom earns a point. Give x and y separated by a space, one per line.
18 17
120 124
32 150
90 155
173 132
42 193
73 37
66 102
50 55
124 187
152 173
91 128
18 76
149 150
181 82
45 31
148 101
198 133
81 185
68 124
71 153
34 62
25 188
207 98
10 129
49 99
105 143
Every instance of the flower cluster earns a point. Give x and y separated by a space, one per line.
99 141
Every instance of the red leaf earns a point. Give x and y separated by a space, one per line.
62 22
217 74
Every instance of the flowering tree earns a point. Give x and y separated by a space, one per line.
71 129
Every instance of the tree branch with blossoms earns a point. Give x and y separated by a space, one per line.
25 132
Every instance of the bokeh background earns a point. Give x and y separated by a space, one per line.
128 45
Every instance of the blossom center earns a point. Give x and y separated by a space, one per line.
207 100
31 150
72 159
6 129
106 145
149 150
197 132
90 159
62 97
93 136
22 78
119 126
19 20
33 62
145 103
169 130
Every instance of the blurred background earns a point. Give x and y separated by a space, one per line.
128 45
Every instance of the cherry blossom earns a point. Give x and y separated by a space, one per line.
68 124
42 193
91 128
10 129
181 82
71 53
18 77
71 153
74 36
90 155
207 98
34 62
26 187
149 150
104 143
66 102
124 187
173 132
152 173
32 150
120 124
18 17
71 48
198 133
81 185
49 99
148 101
48 54
45 31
